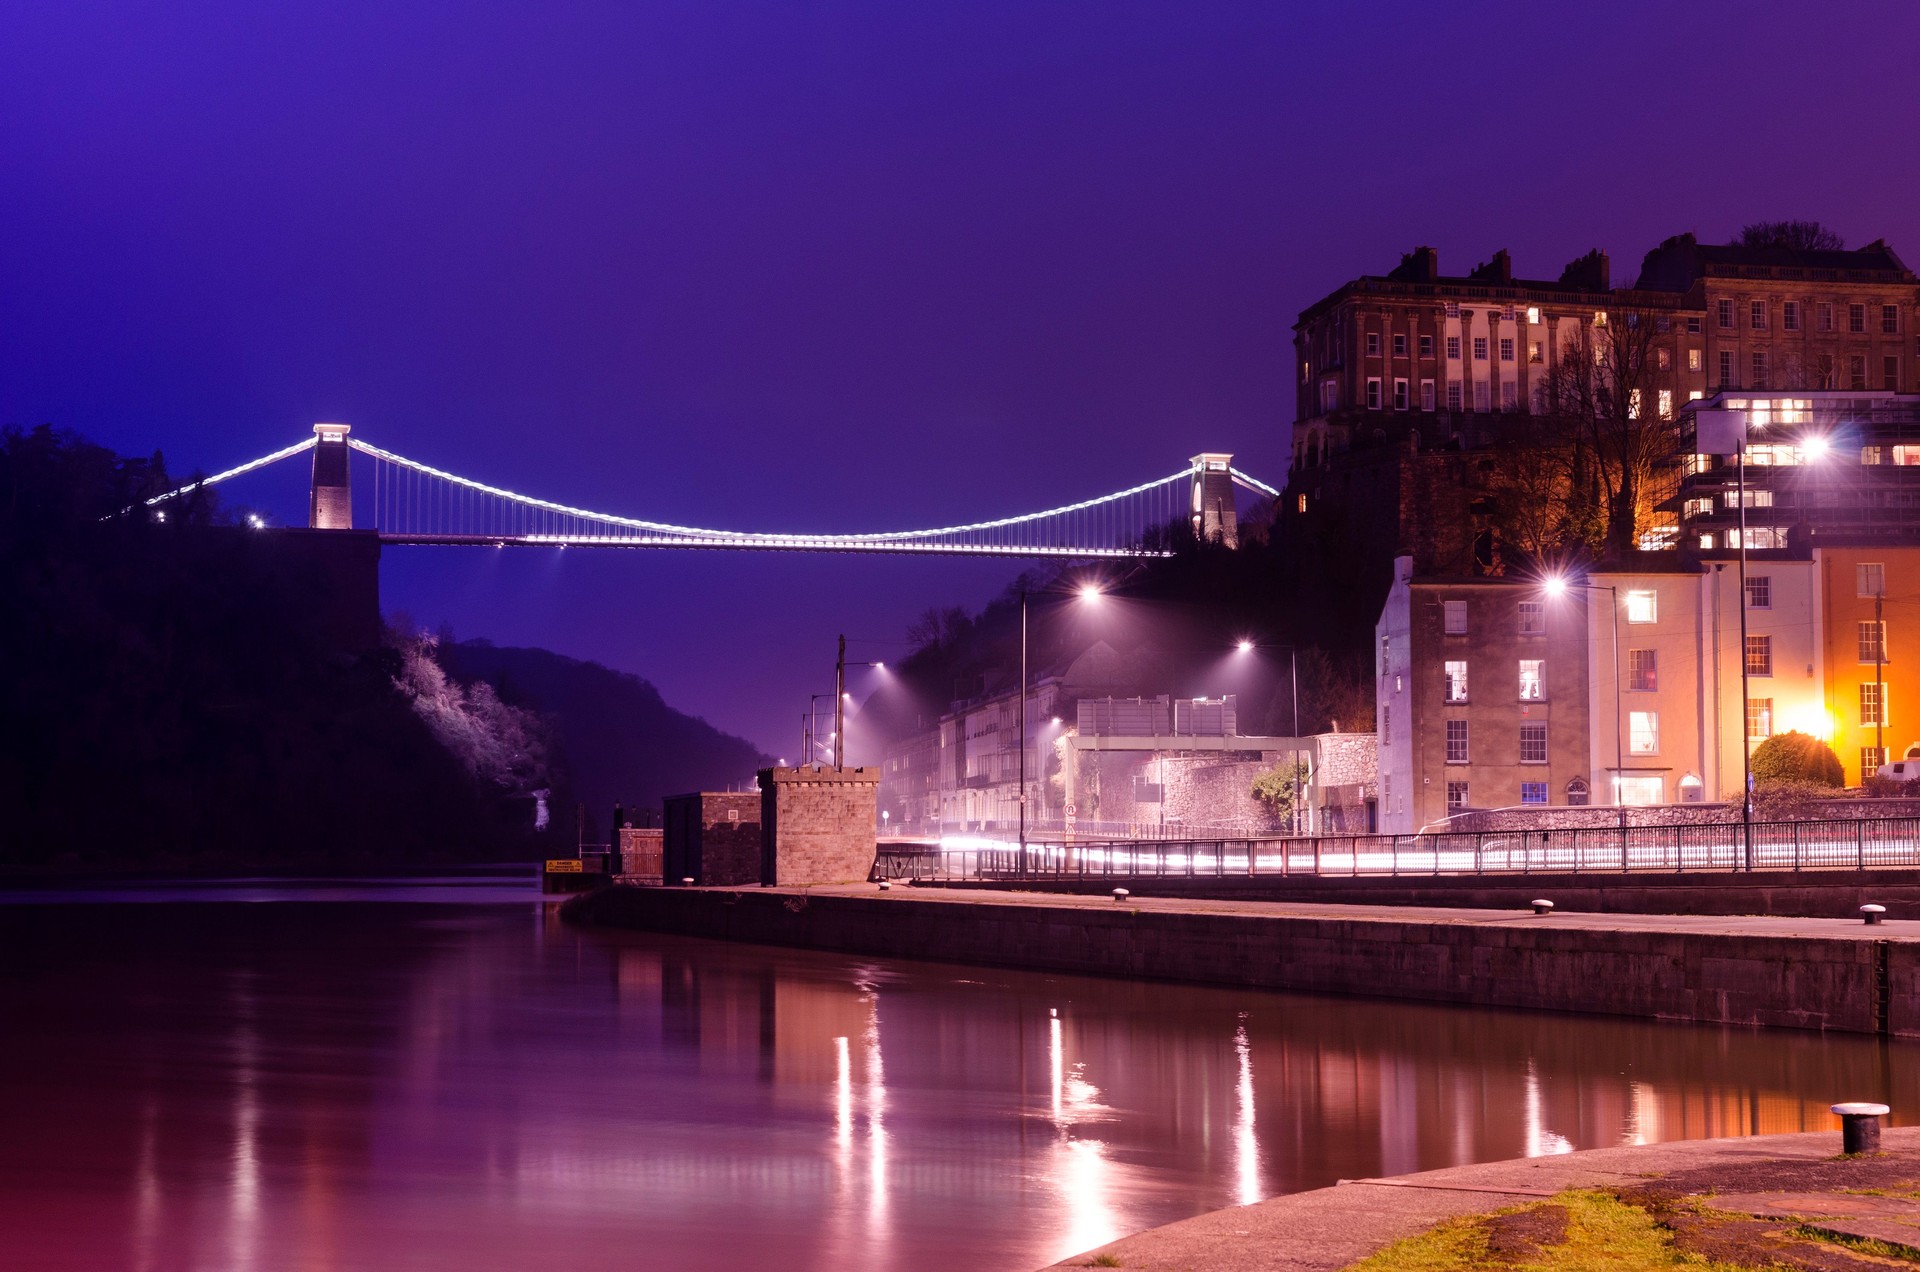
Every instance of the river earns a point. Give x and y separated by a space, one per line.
438 1074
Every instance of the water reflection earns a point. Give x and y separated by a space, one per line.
361 1086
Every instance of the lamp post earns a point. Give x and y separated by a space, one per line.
1087 592
840 666
1293 696
1557 586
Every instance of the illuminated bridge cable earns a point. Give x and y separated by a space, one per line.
301 445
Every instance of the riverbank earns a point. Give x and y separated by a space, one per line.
1797 973
1333 1228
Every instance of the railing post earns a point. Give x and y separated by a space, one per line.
1860 846
1316 856
1796 847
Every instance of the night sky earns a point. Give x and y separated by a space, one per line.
835 266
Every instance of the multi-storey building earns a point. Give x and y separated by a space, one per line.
1482 694
1786 318
1870 606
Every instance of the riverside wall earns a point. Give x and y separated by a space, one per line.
1785 973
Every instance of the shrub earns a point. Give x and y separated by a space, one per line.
1796 757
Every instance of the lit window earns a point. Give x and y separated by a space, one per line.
1873 642
1871 709
1641 791
1643 670
1533 315
1663 359
1870 455
1759 655
1456 680
1643 732
1533 618
1456 796
1533 679
1871 758
1533 792
1533 744
1666 404
1760 591
1870 579
1693 359
1302 503
1536 351
1643 607
1633 404
1456 741
1759 718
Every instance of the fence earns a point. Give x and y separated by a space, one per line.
1776 846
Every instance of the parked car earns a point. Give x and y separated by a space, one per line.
1905 769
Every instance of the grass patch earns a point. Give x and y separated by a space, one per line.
1601 1232
1108 1260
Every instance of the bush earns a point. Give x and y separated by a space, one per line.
1796 757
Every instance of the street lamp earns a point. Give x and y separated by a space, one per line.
1088 593
1557 586
840 665
1245 646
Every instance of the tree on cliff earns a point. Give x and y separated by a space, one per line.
1801 236
1282 788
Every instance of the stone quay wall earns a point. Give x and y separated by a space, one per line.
1849 984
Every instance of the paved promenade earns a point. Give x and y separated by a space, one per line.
1329 1228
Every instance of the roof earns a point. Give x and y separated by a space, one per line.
1681 261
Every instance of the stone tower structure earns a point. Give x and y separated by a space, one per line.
1213 504
331 507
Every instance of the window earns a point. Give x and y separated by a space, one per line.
1871 455
1663 359
1857 372
1890 320
1533 315
1757 315
1456 612
1870 579
1725 313
1399 394
1533 618
1456 741
1453 347
1482 396
1426 346
1506 348
1790 315
1759 718
1857 319
1759 360
1641 791
1329 397
1823 316
1662 324
1873 642
1453 309
1759 591
1456 680
1509 396
1693 324
1890 373
1453 395
1533 679
1693 359
1533 792
1373 344
1871 758
1871 711
1426 395
1386 725
1691 789
1536 351
1643 607
1643 667
1666 404
1533 744
1643 732
1577 792
1479 348
1726 368
1399 344
1373 393
1633 404
1456 796
1759 655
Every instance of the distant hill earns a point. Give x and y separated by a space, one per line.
621 741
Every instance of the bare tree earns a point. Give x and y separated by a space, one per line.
1801 236
1610 403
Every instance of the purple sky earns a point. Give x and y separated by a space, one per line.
835 266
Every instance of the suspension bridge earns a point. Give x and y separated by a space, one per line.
415 503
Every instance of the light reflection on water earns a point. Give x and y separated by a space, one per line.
392 1079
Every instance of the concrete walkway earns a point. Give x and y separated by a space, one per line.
1903 930
1329 1228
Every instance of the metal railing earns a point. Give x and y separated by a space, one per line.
1853 844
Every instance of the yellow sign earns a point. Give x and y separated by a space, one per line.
565 865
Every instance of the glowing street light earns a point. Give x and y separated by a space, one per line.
1089 593
1245 646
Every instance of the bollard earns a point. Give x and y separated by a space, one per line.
1542 906
686 881
1860 1126
885 884
1121 894
1873 913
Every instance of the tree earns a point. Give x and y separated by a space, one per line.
1605 407
1280 788
1796 757
1800 236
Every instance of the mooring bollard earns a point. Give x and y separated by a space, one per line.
886 885
1542 906
686 881
1860 1126
1873 913
1121 894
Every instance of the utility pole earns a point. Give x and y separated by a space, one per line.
1023 730
1879 679
840 704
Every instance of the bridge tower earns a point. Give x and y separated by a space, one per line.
1213 510
331 505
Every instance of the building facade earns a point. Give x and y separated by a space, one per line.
1870 603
